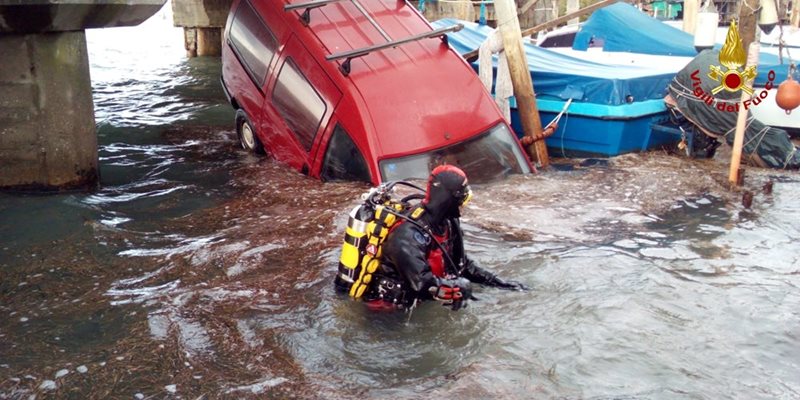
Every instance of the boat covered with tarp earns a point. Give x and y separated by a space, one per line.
612 106
621 27
616 75
716 115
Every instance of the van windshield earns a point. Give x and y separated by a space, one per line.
487 157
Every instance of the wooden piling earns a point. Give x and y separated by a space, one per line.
507 22
747 199
690 10
748 17
767 188
747 32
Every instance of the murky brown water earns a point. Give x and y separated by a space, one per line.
199 271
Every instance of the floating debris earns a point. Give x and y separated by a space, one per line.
258 387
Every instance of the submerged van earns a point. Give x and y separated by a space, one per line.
359 90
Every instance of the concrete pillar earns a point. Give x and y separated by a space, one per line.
190 41
209 42
47 127
200 42
202 22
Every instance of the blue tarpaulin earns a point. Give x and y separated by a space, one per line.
622 27
559 76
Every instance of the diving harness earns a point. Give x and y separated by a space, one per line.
367 228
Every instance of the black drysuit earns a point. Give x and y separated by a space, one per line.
405 274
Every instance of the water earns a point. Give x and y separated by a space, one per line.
199 270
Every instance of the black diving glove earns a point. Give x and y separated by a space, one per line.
453 293
507 285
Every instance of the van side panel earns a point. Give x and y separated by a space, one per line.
244 92
301 89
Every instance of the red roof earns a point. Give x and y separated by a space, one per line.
415 94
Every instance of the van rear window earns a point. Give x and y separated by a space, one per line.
299 104
252 41
343 161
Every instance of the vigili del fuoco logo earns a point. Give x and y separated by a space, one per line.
732 76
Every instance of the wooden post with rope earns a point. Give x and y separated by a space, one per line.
747 32
690 10
507 22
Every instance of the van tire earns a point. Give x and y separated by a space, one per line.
247 135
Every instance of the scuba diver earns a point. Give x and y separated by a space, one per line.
422 256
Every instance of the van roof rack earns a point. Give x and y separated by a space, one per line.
305 18
351 54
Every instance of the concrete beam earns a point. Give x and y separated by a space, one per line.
200 13
36 16
47 127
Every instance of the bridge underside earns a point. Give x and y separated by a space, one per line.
48 137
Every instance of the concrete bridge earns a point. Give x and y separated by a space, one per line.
48 137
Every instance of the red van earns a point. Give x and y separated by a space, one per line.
359 90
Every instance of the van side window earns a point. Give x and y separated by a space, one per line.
343 161
252 41
299 103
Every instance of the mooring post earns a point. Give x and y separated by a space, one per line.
741 124
747 32
690 10
508 23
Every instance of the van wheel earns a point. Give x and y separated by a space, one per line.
247 135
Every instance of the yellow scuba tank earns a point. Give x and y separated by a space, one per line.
367 227
353 248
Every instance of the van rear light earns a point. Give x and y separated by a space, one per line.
489 156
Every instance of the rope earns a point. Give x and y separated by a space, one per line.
763 134
560 114
684 91
781 42
563 132
753 11
791 156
